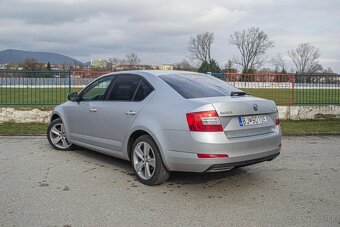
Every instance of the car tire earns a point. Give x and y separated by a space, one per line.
56 136
142 159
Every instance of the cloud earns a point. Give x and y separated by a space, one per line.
159 30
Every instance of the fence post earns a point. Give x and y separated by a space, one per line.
69 81
293 89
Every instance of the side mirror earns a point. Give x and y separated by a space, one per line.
73 96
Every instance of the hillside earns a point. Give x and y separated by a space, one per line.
19 56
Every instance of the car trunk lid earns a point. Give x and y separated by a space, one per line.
231 109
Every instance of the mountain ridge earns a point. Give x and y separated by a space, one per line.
19 56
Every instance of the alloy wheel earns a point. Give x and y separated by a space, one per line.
58 136
144 160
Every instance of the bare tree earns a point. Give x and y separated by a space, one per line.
229 67
184 65
305 58
122 61
316 68
132 60
113 62
279 63
117 61
31 64
252 45
199 46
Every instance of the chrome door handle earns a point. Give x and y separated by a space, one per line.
93 109
130 112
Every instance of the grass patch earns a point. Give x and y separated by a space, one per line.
33 96
289 128
301 96
310 127
23 128
54 96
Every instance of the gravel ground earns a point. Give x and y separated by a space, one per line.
43 187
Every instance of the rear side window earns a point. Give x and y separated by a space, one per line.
144 90
194 85
124 88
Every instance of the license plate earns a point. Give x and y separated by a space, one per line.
252 120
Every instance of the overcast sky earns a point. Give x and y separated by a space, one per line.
158 31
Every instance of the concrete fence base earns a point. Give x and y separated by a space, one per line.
309 112
13 115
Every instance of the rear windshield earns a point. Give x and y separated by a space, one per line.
194 85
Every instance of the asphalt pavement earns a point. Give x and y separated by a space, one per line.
40 186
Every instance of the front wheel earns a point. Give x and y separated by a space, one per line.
147 162
56 136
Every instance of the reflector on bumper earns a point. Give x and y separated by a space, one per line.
212 156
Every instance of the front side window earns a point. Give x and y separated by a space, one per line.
124 88
195 85
96 91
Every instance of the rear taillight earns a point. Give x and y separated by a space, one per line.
278 121
204 121
212 155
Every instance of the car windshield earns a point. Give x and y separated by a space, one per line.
195 85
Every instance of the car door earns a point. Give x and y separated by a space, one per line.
116 114
81 114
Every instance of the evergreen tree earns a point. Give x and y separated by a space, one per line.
211 66
204 68
48 66
214 68
249 71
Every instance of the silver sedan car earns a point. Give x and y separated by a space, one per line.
163 121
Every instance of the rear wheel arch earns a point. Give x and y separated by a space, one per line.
140 132
132 140
147 160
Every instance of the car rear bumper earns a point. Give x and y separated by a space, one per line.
227 166
189 162
180 151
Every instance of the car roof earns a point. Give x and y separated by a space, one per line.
153 72
164 72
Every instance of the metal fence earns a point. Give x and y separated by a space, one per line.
36 88
317 89
320 89
18 87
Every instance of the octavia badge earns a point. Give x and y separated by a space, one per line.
255 107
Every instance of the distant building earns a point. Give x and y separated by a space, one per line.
165 67
102 64
99 63
123 67
13 66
